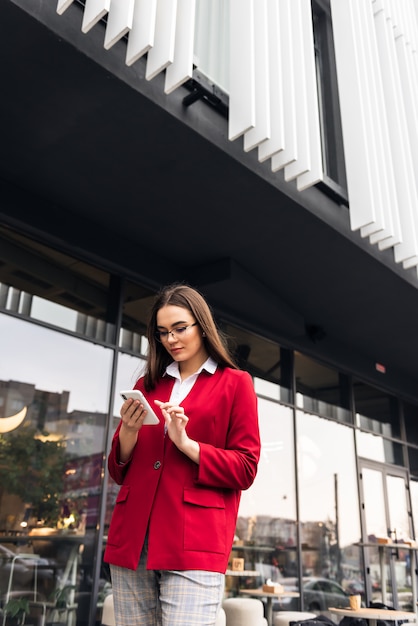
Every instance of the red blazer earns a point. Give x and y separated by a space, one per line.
190 510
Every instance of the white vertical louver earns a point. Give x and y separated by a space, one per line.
376 55
119 21
212 34
280 31
162 52
276 141
255 136
141 37
94 10
162 29
182 65
63 6
242 102
262 50
288 153
314 171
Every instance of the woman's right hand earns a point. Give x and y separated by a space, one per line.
133 414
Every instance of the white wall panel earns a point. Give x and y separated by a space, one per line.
182 67
261 130
162 53
289 153
63 6
241 70
276 141
141 37
119 21
94 10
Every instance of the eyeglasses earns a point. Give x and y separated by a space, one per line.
176 333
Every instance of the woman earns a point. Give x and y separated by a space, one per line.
174 520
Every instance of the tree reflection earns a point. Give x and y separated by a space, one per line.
32 468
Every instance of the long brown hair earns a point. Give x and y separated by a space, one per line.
184 296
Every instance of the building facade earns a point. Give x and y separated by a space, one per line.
265 152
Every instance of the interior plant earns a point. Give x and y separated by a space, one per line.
17 608
60 597
59 603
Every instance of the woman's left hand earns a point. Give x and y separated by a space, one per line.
176 422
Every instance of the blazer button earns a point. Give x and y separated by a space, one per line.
157 464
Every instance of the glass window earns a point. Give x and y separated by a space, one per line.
387 519
377 448
414 502
266 527
55 390
374 510
211 58
413 460
211 44
376 410
399 509
39 282
333 153
137 303
410 413
129 369
328 502
264 359
321 389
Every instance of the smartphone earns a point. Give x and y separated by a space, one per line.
150 417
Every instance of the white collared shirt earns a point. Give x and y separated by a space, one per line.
183 387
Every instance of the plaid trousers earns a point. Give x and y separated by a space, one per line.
165 597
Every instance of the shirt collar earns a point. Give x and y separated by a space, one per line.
209 365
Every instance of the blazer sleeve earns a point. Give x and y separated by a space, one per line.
235 466
117 470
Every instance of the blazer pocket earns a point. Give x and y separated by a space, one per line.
123 494
118 516
204 521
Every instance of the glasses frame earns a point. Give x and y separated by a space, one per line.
173 333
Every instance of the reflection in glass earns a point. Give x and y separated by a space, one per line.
321 390
266 530
271 390
388 534
398 510
414 503
130 368
410 412
329 505
377 448
263 358
376 410
128 371
374 504
51 466
53 287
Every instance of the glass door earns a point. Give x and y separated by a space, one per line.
387 532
